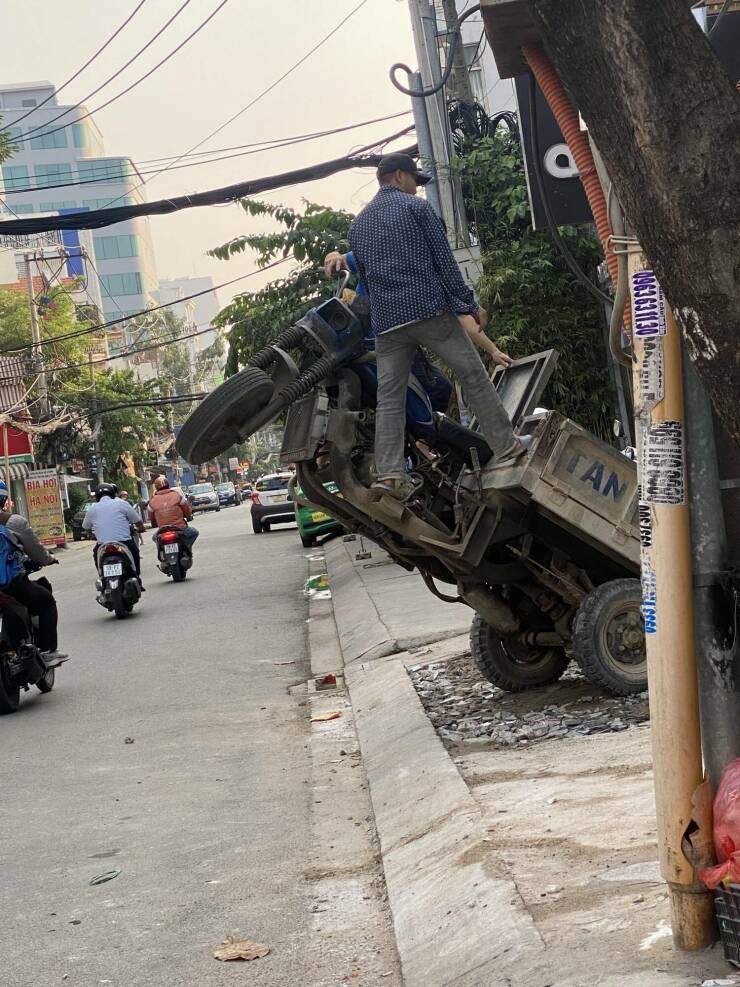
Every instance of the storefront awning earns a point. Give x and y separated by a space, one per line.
18 471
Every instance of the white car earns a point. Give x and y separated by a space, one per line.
272 502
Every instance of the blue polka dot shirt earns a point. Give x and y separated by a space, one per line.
406 262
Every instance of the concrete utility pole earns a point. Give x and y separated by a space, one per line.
667 594
98 421
37 351
460 87
424 30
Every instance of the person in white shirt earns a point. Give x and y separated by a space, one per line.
111 519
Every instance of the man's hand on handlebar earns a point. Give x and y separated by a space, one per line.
334 263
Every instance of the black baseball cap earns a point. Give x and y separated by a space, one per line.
402 162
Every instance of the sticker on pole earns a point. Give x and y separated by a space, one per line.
648 306
645 522
664 473
650 373
649 597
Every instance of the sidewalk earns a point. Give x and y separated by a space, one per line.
517 834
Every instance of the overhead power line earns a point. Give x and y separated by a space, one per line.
257 147
80 70
100 327
71 109
261 94
97 218
133 85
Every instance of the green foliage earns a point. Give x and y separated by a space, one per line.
534 302
123 432
257 317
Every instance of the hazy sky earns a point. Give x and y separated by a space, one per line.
248 45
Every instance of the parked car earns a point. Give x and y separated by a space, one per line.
228 494
203 497
311 520
77 518
271 502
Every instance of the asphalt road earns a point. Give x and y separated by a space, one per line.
205 810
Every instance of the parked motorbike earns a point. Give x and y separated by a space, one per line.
118 586
21 662
548 559
175 558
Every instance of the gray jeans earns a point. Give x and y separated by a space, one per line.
395 351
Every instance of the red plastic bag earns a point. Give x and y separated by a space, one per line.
726 830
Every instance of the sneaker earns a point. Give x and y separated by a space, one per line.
511 458
400 488
54 658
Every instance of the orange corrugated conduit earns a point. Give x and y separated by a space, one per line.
567 119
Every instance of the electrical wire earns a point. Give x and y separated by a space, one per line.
77 106
720 16
109 216
90 330
79 71
455 39
560 243
256 149
260 95
136 82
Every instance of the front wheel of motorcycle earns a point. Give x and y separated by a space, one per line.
10 694
222 418
46 683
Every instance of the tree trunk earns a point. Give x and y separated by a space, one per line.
666 119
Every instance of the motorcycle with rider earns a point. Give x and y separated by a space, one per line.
116 552
170 512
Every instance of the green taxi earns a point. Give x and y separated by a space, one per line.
311 520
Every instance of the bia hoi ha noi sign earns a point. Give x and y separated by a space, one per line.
45 514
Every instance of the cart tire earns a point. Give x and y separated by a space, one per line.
216 423
608 638
502 668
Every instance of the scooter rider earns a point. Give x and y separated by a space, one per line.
36 597
111 520
168 508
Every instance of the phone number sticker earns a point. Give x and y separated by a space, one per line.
664 465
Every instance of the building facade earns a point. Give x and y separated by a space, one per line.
63 167
198 314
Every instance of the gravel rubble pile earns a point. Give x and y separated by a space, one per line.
465 707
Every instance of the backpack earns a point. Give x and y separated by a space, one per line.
10 563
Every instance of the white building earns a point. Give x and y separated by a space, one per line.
197 313
70 155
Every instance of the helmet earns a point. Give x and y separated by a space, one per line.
106 490
161 483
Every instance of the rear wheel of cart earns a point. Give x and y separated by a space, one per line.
511 664
609 637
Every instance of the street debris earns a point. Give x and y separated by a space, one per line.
465 707
128 740
103 878
317 587
284 662
328 681
322 717
240 949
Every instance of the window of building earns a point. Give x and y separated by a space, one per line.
56 206
49 138
115 285
80 135
52 174
15 135
113 247
97 169
15 176
19 208
28 102
104 203
475 70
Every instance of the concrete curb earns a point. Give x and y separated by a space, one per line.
363 634
458 918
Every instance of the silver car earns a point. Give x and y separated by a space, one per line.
203 497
